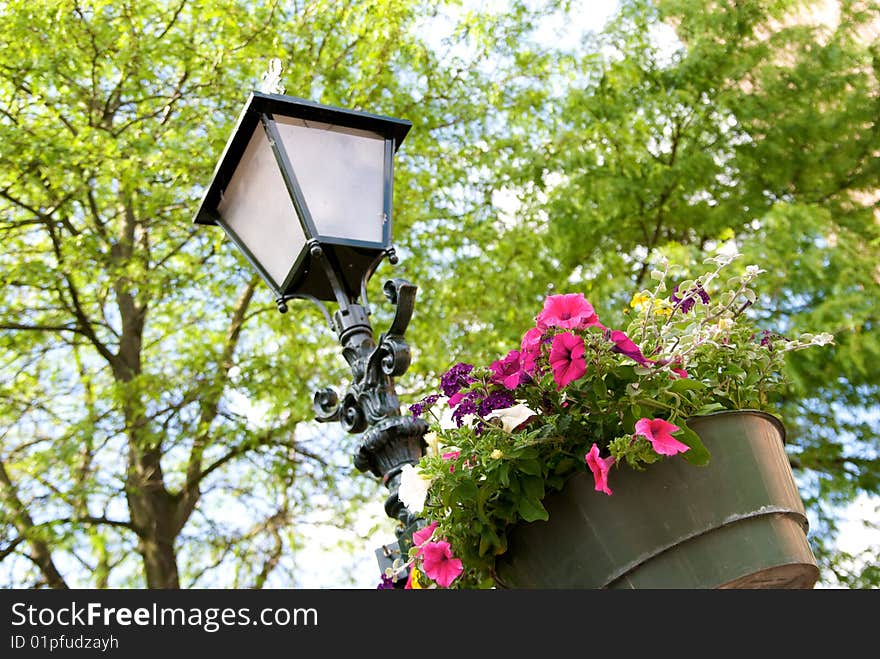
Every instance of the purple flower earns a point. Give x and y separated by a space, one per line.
455 379
687 303
768 337
466 406
497 400
387 583
417 409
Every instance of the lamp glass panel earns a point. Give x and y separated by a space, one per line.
257 207
341 173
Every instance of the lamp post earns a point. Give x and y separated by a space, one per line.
304 191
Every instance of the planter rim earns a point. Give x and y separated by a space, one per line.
777 423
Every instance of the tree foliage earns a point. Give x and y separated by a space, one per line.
687 127
130 340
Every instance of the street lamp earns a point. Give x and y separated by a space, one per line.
304 191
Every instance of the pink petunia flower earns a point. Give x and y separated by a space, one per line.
530 349
531 341
567 359
599 467
507 371
422 536
570 311
625 346
439 564
659 433
451 457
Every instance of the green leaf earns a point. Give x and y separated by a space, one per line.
532 510
531 467
565 465
698 453
504 474
533 487
465 490
709 409
489 541
686 384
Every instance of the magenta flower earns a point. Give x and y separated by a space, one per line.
531 341
422 536
439 564
659 433
455 399
530 350
571 311
567 358
452 456
507 371
599 467
680 372
624 345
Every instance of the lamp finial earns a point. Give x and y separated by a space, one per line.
270 83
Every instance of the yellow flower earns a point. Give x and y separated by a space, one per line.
662 308
639 299
414 582
496 454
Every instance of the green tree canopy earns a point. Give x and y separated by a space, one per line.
689 126
129 338
153 403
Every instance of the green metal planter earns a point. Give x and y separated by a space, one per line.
737 523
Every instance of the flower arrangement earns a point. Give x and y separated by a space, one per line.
578 396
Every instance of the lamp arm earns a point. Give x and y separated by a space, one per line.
370 405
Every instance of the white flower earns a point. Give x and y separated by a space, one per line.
727 253
822 339
433 442
446 421
512 417
413 489
753 271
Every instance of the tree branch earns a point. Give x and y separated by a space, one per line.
41 328
6 551
273 525
24 523
209 407
90 519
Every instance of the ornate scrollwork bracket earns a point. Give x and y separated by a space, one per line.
370 404
370 398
